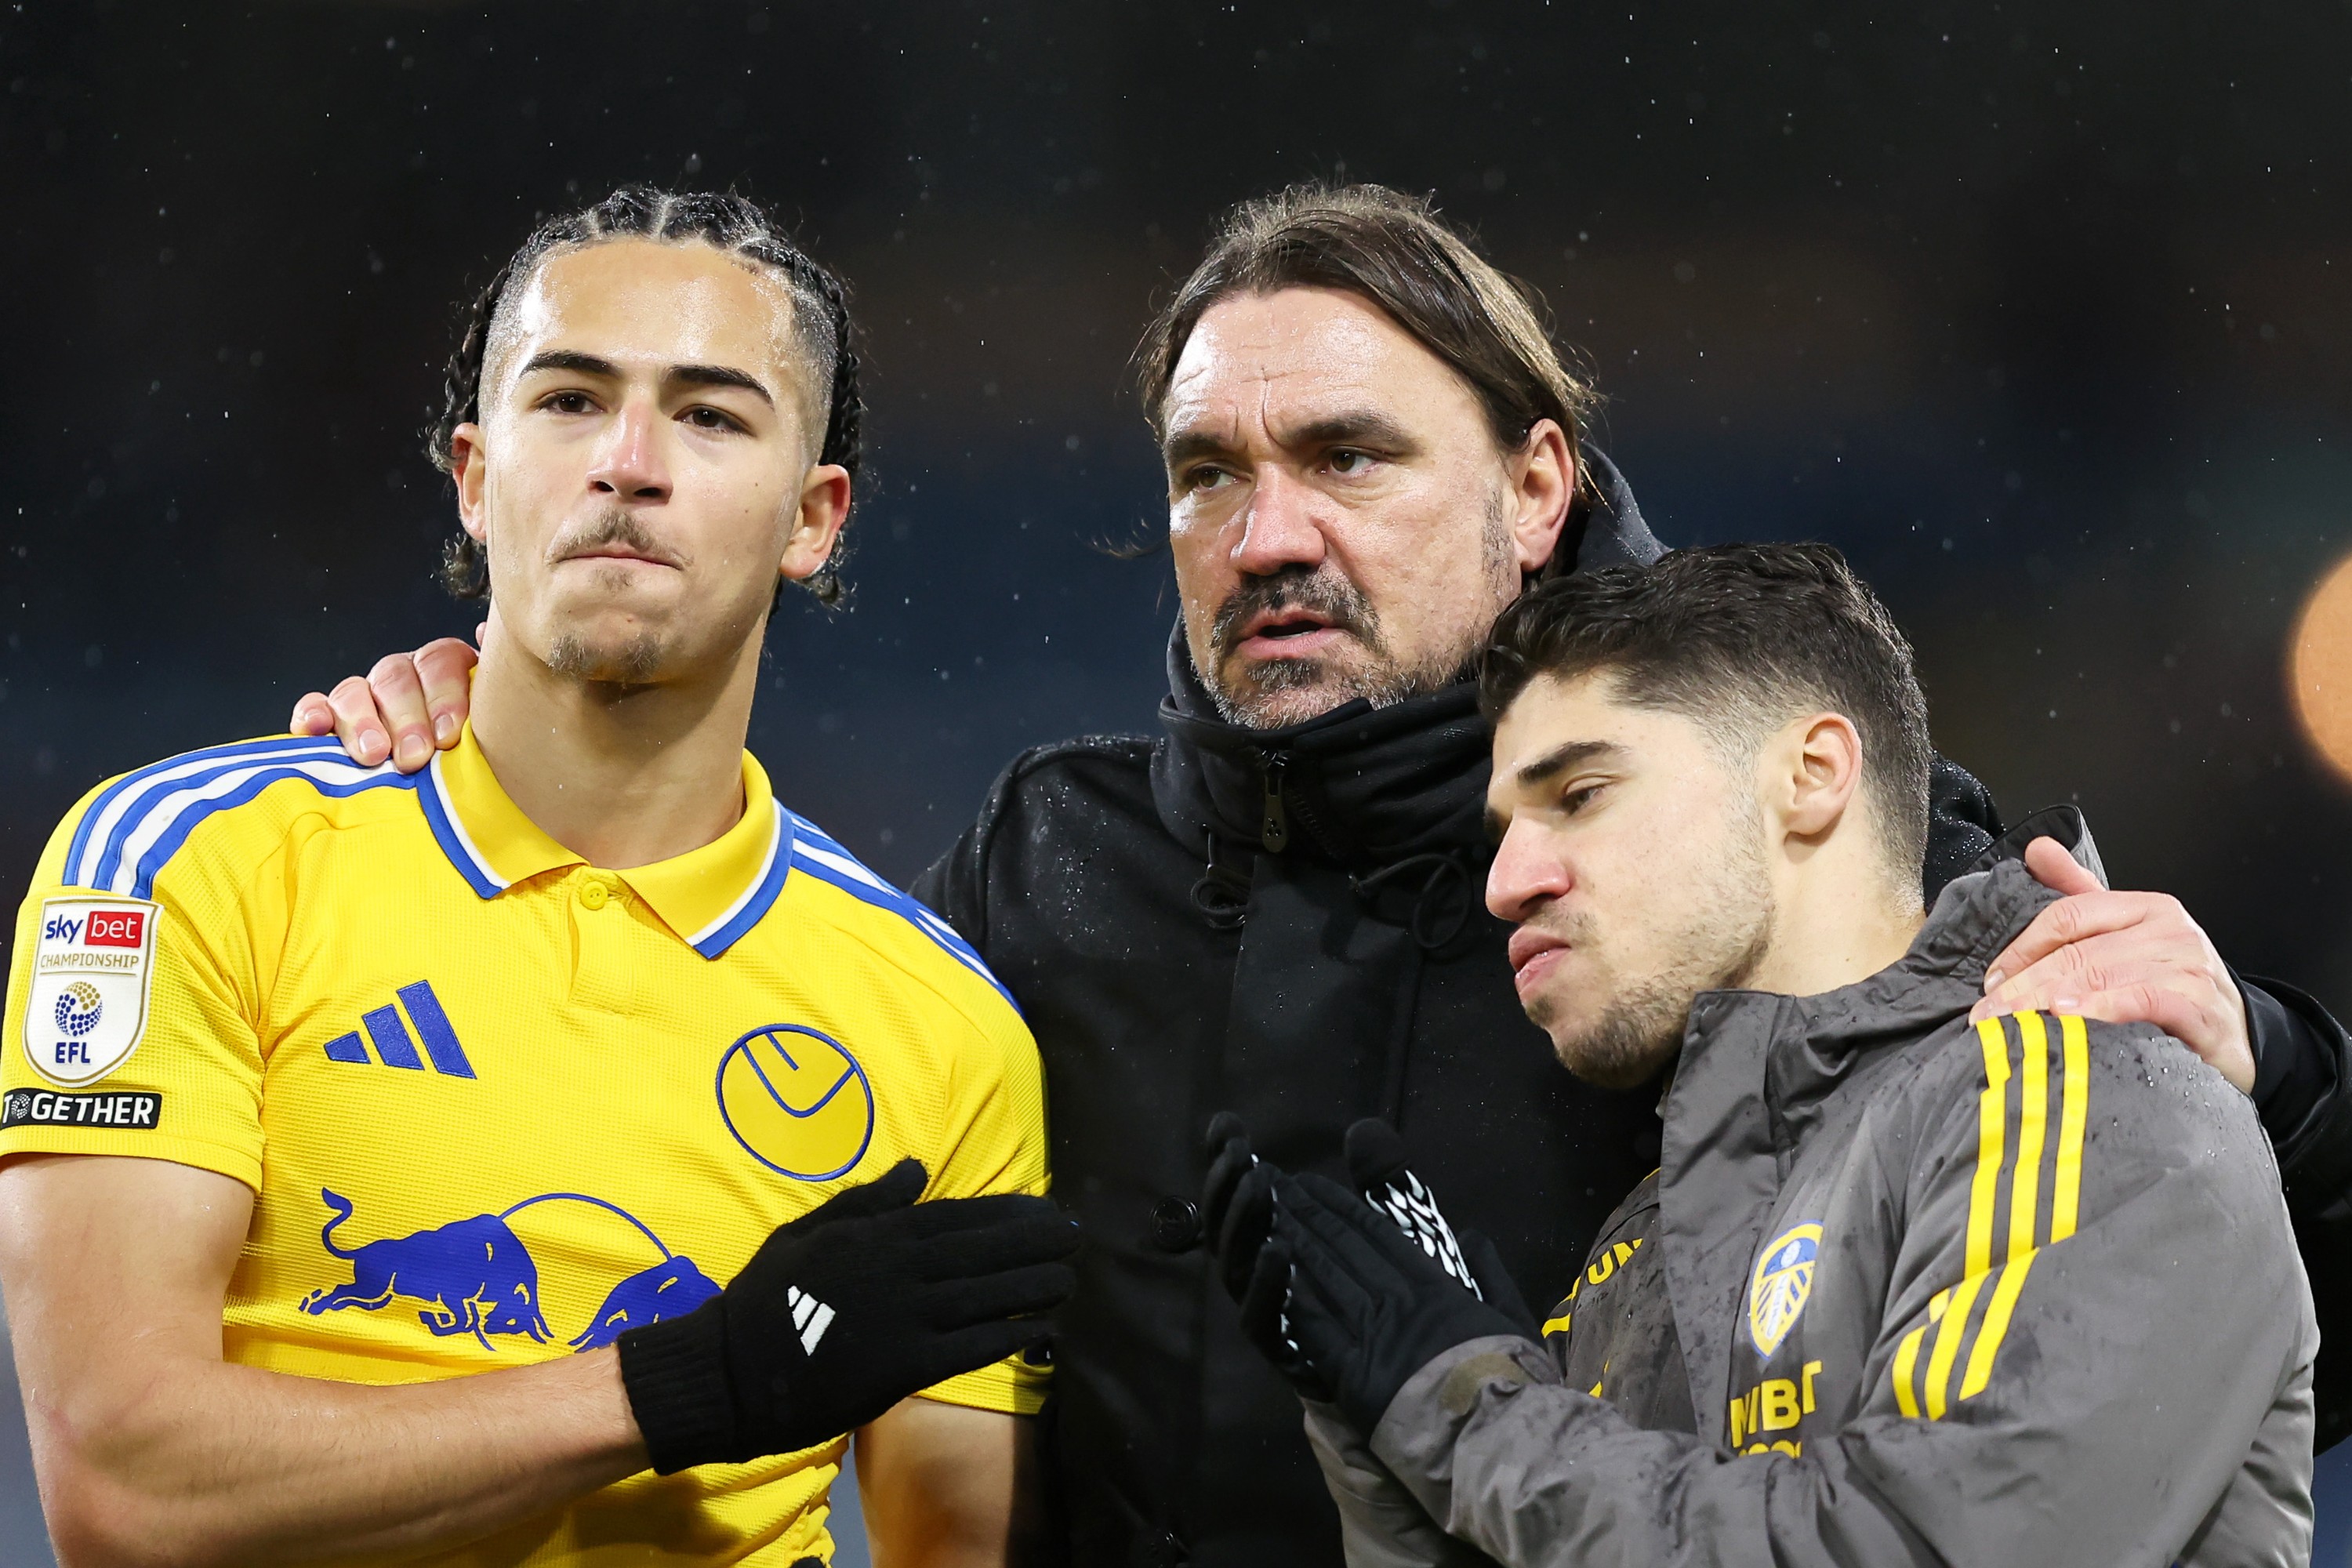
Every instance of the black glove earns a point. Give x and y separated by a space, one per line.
865 1300
1237 1215
1238 1206
1376 1164
1366 1308
1236 1203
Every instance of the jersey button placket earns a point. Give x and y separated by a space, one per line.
607 939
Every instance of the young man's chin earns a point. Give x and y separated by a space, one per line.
1622 1046
626 657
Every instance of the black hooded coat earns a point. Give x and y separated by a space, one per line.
1290 923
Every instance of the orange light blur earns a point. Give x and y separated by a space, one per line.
2319 667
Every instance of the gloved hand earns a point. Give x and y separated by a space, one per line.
1236 1215
1236 1203
1239 1209
1376 1165
842 1312
1366 1308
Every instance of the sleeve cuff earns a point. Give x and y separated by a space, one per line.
674 1373
2300 1089
1416 1434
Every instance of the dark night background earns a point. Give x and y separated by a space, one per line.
2036 314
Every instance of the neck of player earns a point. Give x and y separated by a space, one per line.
1839 917
620 775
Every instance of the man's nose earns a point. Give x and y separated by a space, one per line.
1279 528
1526 874
630 463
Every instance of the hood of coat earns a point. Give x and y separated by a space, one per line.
1362 786
1814 1043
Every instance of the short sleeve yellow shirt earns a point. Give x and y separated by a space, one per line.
494 1104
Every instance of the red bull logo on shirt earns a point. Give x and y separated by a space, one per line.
476 1277
90 968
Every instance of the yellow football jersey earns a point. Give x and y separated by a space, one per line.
496 1104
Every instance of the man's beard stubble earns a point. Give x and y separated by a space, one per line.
1246 698
1382 679
631 660
1719 948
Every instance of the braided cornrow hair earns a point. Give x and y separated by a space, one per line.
730 223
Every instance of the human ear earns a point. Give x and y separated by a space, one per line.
471 473
824 507
1542 484
1820 768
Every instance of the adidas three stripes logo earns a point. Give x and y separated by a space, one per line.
810 1316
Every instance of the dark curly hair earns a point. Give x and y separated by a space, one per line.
730 223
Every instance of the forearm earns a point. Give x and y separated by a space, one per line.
207 1462
945 1486
1531 1472
1380 1524
2026 1474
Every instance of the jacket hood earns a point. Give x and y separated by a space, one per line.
1817 1042
1363 786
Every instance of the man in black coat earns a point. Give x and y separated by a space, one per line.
1274 907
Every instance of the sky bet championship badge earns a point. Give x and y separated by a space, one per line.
88 1002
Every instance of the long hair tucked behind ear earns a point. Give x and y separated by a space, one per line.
730 223
1393 250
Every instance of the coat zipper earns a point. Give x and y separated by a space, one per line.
1274 825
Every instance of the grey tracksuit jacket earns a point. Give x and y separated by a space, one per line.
2012 1294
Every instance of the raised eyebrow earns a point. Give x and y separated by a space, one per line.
720 376
1186 446
1561 759
566 358
1357 428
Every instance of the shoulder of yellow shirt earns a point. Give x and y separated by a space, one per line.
126 831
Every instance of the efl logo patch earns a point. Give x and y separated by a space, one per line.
90 972
40 1108
1782 1283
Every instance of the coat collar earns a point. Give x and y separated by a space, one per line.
1360 785
1815 1039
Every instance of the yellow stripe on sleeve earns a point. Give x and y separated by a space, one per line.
2033 1120
1949 1311
1995 1327
1949 1334
2066 1186
1992 1113
1907 1364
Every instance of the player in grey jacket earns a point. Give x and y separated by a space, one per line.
1908 1290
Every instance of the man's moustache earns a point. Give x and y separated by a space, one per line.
1335 599
613 527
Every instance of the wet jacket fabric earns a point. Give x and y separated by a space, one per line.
1286 923
2016 1293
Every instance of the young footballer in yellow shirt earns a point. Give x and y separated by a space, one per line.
519 1162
